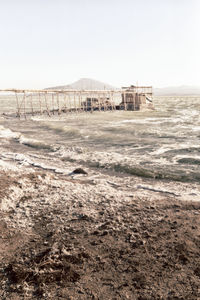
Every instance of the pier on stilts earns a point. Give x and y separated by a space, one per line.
51 102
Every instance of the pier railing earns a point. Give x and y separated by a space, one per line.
51 102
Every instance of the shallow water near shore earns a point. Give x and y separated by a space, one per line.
160 144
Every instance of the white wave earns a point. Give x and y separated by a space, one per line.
7 133
150 120
180 146
47 119
195 128
162 150
34 143
4 165
25 160
22 159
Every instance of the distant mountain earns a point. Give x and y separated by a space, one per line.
85 84
91 84
177 90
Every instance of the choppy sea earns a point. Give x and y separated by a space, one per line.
159 144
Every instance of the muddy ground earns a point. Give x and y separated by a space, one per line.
76 238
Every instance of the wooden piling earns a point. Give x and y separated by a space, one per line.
133 95
58 103
47 107
40 103
86 102
104 103
24 105
111 101
31 100
65 102
125 106
70 104
79 101
99 99
75 107
53 104
18 107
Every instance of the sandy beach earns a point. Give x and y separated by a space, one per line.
100 235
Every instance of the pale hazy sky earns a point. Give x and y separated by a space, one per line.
52 42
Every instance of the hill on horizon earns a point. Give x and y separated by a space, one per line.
184 90
85 84
91 84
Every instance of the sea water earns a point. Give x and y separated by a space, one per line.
162 144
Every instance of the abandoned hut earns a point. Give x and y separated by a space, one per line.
136 98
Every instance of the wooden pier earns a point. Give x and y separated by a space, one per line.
51 102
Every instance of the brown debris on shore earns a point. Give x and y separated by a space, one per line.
67 239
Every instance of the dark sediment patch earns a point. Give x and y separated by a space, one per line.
189 161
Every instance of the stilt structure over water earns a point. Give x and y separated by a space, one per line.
137 98
54 101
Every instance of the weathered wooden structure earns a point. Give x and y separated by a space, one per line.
50 102
100 103
137 98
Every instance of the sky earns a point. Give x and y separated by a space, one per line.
45 43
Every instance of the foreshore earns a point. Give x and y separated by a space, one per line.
98 235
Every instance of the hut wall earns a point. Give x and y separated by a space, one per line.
142 99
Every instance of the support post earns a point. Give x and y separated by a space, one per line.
47 107
99 101
86 102
65 102
75 102
40 103
18 107
24 105
133 101
125 101
70 104
58 103
52 100
79 101
32 104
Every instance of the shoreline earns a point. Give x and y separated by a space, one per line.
95 236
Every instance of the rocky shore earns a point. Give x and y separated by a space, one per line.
66 235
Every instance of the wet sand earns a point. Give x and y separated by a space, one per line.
95 236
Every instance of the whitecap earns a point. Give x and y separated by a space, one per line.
7 133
